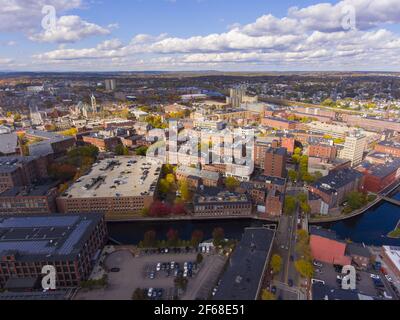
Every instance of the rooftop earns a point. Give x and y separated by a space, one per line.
31 191
11 163
391 144
216 195
382 170
118 177
32 238
337 179
8 143
242 279
204 174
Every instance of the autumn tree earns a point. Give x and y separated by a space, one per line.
197 237
218 236
276 263
232 183
305 268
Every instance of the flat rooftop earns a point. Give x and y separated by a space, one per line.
242 279
41 238
30 191
118 177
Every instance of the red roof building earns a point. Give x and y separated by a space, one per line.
326 248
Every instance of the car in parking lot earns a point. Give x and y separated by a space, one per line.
158 267
115 270
318 271
375 276
152 275
290 282
150 292
317 264
273 289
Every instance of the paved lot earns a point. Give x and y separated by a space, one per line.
132 275
365 285
201 286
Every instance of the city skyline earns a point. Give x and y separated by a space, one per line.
171 35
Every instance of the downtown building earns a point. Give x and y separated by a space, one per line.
71 244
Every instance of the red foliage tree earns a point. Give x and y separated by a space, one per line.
179 209
159 209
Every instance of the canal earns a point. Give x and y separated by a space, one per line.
370 228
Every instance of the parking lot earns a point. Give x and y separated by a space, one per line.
150 270
366 284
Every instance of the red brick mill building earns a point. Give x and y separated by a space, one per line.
70 243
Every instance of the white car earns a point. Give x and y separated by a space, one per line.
388 278
185 266
317 264
158 267
150 292
173 265
375 276
185 273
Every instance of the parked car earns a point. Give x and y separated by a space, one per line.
115 270
273 289
388 278
150 292
158 267
317 264
375 276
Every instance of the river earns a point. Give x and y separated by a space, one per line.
370 228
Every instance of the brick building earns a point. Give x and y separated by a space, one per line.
17 171
334 187
29 200
389 147
275 162
70 243
278 123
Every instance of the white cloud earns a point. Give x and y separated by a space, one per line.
311 37
69 29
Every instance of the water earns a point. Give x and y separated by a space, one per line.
370 228
133 232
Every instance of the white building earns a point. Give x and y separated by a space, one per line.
354 148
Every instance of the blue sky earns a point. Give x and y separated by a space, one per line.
200 34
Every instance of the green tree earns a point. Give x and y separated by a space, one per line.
292 175
121 150
290 205
267 295
305 268
184 191
164 186
276 263
232 183
141 151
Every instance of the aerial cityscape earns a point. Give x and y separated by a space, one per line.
173 151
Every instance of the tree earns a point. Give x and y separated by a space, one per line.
141 151
197 238
290 205
305 268
139 294
184 190
218 236
199 258
150 239
178 209
356 200
292 175
159 209
70 132
121 150
63 172
276 263
267 295
232 183
305 207
172 237
164 186
171 179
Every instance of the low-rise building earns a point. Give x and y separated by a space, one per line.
389 147
334 187
391 256
120 186
278 123
247 266
214 202
38 199
196 177
70 243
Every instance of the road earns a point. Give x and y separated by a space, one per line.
285 244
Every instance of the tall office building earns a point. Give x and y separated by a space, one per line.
275 162
354 148
236 97
110 84
94 103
